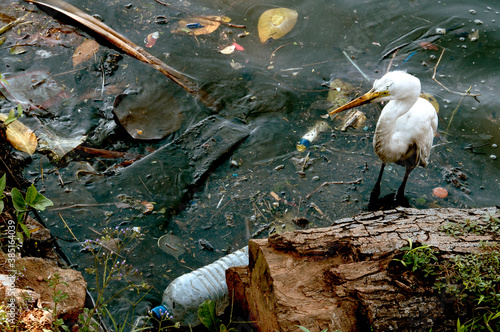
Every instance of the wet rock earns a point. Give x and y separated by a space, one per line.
33 269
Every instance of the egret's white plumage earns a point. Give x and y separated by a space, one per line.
406 126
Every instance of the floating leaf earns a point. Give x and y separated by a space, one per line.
431 99
148 113
275 23
198 25
19 136
85 51
15 50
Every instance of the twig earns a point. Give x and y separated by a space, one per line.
222 208
69 229
390 62
467 93
355 65
145 186
455 111
274 52
130 48
257 209
334 182
220 201
306 159
12 24
81 205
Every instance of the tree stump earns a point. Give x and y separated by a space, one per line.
344 277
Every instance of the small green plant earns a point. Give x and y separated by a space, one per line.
57 296
3 183
208 317
474 281
110 266
489 224
4 319
421 258
32 200
13 116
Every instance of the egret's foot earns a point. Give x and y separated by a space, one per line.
381 203
375 194
402 201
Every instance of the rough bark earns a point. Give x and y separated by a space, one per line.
344 277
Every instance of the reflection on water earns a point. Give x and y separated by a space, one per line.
269 88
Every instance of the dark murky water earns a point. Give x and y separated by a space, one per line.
274 91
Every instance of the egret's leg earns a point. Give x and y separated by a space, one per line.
376 190
401 191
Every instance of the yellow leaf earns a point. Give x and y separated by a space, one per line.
275 23
431 99
19 136
85 51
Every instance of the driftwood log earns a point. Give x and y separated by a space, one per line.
343 277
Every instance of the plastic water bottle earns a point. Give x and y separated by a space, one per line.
311 135
186 293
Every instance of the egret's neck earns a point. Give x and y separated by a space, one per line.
397 107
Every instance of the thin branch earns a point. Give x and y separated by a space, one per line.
334 182
392 59
467 93
356 66
69 229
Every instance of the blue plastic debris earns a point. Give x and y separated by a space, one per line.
194 25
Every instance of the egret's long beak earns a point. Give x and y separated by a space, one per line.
364 99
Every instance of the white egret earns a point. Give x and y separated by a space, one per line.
405 128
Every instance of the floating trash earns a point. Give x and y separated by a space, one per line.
33 90
228 50
311 135
151 39
172 245
355 119
440 192
194 25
